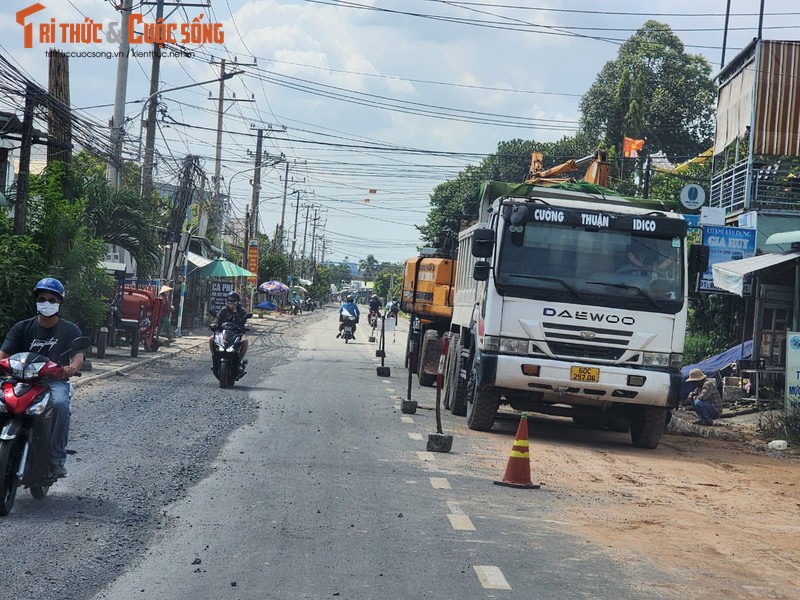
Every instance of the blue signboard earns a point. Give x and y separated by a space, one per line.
725 244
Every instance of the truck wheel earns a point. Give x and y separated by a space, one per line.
447 387
429 357
647 426
481 405
458 386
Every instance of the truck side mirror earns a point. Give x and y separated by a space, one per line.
480 272
698 258
483 242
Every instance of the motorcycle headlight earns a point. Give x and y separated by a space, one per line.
230 349
24 371
39 407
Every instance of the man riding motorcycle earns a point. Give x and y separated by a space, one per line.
50 335
234 312
375 306
348 307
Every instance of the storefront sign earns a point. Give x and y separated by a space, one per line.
725 244
219 294
792 372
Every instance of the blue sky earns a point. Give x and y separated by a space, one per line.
363 86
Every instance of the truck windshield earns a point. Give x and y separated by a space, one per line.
598 267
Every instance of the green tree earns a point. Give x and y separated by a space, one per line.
321 286
655 91
272 266
21 266
368 267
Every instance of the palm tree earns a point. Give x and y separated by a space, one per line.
368 267
120 217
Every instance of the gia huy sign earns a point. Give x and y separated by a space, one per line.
725 244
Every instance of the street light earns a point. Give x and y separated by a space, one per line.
147 169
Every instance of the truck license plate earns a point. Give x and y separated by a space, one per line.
587 374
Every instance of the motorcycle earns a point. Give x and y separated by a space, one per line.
349 327
226 363
26 421
373 317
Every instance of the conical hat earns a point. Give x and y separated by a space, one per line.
164 288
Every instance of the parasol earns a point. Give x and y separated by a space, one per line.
299 288
219 267
273 287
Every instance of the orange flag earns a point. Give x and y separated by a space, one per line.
631 147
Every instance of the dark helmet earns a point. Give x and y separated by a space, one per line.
374 296
234 297
349 299
50 284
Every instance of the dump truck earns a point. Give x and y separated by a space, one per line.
427 296
551 316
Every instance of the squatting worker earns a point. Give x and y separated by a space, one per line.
704 397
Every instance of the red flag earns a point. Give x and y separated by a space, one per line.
631 147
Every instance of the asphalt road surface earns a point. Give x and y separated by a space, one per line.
303 481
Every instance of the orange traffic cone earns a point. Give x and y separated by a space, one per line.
518 469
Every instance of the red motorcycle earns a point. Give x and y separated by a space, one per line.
25 422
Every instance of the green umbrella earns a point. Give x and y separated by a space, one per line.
220 267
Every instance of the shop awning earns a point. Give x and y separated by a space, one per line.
729 275
197 260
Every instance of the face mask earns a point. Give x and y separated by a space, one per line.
46 309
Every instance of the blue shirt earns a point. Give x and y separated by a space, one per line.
349 307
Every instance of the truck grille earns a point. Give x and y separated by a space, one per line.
576 341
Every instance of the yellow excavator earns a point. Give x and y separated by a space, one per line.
596 173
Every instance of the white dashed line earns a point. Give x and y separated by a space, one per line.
406 419
461 523
440 483
491 578
415 436
426 456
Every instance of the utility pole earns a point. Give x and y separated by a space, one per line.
58 123
283 207
150 140
118 120
256 184
216 202
313 239
294 234
303 254
21 208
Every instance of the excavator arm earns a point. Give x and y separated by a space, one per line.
596 173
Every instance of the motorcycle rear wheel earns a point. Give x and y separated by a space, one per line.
9 455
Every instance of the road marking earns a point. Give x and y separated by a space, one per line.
461 523
455 508
406 419
389 389
426 456
491 578
397 407
440 483
415 436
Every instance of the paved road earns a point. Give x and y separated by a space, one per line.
306 481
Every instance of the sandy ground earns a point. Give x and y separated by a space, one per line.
721 516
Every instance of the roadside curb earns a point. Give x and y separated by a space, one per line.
85 379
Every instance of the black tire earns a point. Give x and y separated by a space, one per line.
647 426
431 336
135 340
224 373
481 406
458 400
39 491
9 456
